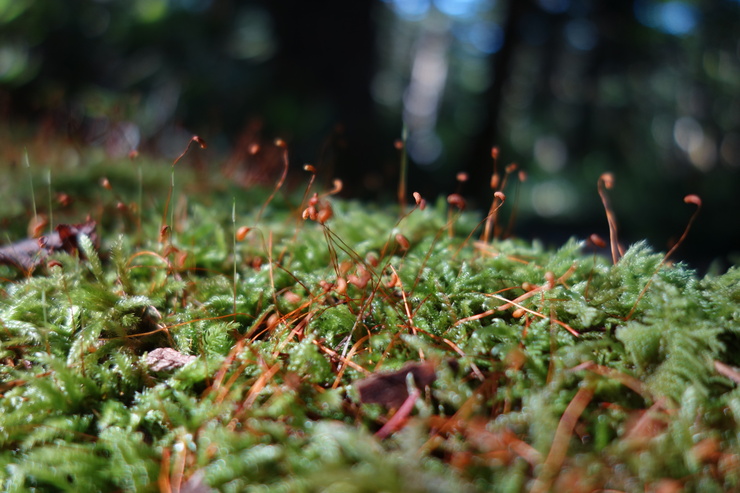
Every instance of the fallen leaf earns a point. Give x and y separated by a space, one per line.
389 389
29 253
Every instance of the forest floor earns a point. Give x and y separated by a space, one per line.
173 331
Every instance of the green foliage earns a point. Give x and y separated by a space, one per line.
270 402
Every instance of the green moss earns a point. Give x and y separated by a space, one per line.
270 402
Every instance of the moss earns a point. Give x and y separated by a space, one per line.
284 323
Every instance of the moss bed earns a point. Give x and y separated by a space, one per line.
257 345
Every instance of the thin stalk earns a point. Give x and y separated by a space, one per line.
51 212
202 145
172 210
689 199
233 224
46 324
140 202
279 143
404 170
606 181
27 163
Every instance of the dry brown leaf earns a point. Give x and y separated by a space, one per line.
389 389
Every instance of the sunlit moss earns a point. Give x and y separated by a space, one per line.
282 332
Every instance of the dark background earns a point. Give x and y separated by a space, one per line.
568 89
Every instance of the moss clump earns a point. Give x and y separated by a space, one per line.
587 381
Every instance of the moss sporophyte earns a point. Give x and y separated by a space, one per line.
294 341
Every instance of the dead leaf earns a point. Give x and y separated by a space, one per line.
27 254
389 389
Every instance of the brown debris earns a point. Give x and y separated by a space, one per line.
390 390
28 254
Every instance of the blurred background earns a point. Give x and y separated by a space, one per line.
567 89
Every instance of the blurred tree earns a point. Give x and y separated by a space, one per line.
648 89
324 60
578 87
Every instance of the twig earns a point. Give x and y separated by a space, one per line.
606 182
562 437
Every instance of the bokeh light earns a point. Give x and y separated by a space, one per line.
252 37
674 17
410 10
